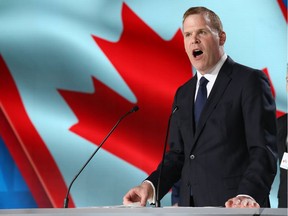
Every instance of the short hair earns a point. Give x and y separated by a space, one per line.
213 17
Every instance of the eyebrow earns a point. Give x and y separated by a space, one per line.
200 29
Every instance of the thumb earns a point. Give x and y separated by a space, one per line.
143 201
229 203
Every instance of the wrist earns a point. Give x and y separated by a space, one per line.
151 191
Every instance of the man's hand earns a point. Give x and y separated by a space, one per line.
139 194
241 202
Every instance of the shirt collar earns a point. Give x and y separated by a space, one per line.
211 76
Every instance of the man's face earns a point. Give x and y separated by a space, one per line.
203 45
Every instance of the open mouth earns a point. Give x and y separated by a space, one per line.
197 53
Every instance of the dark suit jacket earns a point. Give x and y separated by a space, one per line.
232 150
282 147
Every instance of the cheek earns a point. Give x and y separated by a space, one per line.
185 46
187 51
211 49
186 42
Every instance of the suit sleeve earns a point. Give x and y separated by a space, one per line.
259 115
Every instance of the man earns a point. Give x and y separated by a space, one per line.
226 157
282 144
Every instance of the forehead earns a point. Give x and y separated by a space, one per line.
196 21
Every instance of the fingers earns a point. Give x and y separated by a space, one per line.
241 202
138 194
133 196
130 197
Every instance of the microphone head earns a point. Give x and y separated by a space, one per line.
134 109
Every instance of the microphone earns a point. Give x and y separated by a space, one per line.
158 204
66 200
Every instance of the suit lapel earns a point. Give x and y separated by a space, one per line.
220 85
191 105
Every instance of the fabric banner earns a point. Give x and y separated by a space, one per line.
69 69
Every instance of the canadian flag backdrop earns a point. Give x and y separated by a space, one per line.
69 69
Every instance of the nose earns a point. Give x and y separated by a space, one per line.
195 40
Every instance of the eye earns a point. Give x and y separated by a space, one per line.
188 34
202 32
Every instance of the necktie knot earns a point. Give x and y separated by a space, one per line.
203 82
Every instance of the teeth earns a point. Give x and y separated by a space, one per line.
197 53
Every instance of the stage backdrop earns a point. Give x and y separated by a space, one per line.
69 69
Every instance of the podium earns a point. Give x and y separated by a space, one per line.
147 211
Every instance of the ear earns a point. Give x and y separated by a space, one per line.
222 38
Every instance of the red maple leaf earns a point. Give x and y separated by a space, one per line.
153 69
